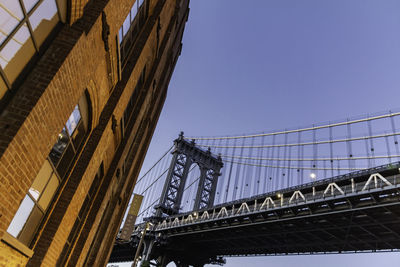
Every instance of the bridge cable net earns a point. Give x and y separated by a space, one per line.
270 161
265 162
151 183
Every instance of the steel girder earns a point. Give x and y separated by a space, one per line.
185 154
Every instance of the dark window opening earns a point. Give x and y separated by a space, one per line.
131 27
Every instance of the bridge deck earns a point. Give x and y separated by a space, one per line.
356 212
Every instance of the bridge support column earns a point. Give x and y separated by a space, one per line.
148 246
181 264
163 260
207 187
185 154
200 189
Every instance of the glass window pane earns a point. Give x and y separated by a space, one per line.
74 229
126 25
78 136
73 120
65 161
43 20
120 35
41 180
133 12
16 53
10 15
21 216
2 36
59 147
84 110
31 226
49 192
94 185
141 2
29 4
84 209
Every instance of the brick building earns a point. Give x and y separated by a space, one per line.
82 84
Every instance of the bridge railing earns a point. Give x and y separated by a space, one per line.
331 190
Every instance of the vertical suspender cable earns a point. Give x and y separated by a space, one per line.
230 172
271 169
371 143
244 174
299 162
262 176
368 153
267 178
331 150
221 179
289 170
278 169
396 143
248 175
349 147
284 163
258 170
388 148
315 151
238 168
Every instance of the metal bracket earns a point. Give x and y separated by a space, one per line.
375 177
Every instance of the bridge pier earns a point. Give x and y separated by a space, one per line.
148 246
181 264
185 155
163 260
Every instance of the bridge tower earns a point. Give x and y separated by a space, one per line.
185 154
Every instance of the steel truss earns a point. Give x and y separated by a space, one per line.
357 213
185 154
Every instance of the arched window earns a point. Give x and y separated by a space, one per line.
36 202
70 139
24 26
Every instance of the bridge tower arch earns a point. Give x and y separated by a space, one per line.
185 154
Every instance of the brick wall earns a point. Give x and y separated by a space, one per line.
77 61
11 257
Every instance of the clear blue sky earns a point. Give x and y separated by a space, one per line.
259 65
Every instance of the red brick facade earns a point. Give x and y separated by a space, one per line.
83 59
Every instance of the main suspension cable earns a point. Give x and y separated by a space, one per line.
390 114
308 143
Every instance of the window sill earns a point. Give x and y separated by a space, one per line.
13 242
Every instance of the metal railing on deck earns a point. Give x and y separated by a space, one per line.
374 183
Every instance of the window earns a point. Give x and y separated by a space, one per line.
69 140
130 28
24 25
33 207
83 212
130 19
129 108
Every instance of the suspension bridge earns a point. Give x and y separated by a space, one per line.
325 188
